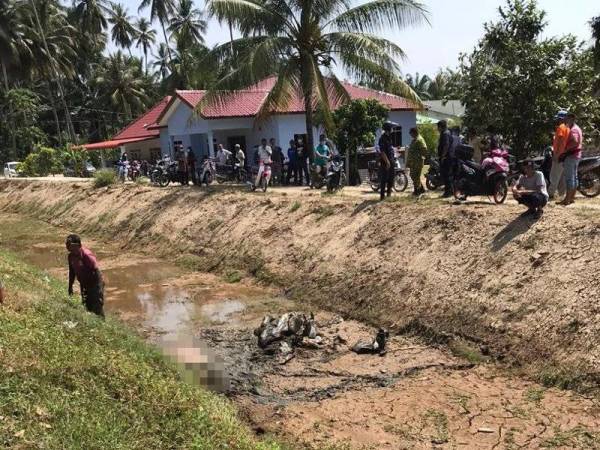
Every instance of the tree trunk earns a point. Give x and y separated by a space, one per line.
162 24
230 41
13 136
146 58
55 114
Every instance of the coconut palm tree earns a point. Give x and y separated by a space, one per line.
420 84
302 42
188 23
91 15
161 61
595 24
123 33
146 38
161 10
119 85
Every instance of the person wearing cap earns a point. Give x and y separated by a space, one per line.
83 266
530 189
559 144
570 159
387 171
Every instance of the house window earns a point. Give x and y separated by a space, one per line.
155 154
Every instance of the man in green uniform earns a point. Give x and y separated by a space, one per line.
417 152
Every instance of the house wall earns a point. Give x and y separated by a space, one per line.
407 120
143 150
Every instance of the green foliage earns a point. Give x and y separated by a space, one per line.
104 177
41 162
76 158
515 81
355 126
431 135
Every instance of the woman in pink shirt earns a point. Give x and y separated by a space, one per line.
571 158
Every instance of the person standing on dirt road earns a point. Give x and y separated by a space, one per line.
559 144
444 149
292 163
417 153
530 190
571 158
83 266
182 167
387 171
191 164
265 153
303 161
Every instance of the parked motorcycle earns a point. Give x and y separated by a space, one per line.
133 171
264 179
400 179
230 173
433 177
209 171
336 177
488 178
318 176
588 173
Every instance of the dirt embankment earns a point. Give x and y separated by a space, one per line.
525 291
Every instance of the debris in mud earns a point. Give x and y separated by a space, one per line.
376 346
286 332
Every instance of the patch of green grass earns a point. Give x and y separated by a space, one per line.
70 380
323 211
142 181
295 206
467 351
534 394
190 262
578 437
104 177
233 276
439 421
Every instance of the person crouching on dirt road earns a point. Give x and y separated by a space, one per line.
570 159
264 157
387 171
84 266
417 152
530 189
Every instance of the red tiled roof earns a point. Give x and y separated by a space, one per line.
247 102
114 143
142 127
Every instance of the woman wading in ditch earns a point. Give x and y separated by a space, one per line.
83 265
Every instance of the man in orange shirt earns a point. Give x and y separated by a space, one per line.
561 136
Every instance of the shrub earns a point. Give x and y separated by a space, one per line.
431 135
104 177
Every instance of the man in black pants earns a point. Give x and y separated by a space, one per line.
387 171
530 190
84 266
444 145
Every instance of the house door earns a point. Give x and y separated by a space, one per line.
240 140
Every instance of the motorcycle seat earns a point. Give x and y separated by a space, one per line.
473 165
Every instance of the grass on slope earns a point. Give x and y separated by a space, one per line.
94 385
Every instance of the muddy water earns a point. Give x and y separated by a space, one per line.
415 396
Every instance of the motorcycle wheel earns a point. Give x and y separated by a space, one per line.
220 179
163 180
500 191
400 182
430 184
263 184
208 178
589 184
375 185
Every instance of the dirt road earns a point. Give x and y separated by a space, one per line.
525 290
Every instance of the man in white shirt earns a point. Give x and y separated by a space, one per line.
531 191
264 158
222 155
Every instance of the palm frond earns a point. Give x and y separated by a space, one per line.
376 15
285 88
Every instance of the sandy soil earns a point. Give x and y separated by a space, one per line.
525 290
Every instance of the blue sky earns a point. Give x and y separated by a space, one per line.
455 27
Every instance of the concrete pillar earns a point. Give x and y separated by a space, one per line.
211 147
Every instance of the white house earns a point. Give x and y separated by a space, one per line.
173 121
